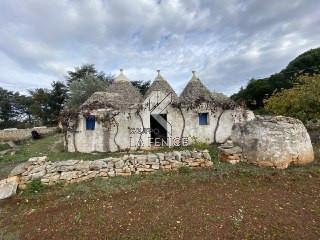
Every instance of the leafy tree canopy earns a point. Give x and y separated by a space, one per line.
80 73
302 101
257 91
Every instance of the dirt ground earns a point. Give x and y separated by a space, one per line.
200 204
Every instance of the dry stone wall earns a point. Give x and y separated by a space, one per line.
71 171
13 134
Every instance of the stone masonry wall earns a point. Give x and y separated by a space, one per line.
20 134
71 171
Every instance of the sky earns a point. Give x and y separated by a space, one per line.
226 42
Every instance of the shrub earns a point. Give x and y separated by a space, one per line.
35 186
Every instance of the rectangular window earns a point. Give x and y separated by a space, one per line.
203 119
90 123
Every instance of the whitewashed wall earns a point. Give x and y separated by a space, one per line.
102 140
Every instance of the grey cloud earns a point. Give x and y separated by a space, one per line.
228 42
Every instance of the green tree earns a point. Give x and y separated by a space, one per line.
143 86
6 109
302 101
80 91
80 73
46 104
40 105
56 101
257 91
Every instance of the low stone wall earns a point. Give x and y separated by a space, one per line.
14 134
71 171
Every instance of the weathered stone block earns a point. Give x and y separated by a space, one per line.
97 165
177 155
69 175
8 187
274 141
119 164
196 155
19 169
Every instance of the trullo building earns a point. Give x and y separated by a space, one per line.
120 118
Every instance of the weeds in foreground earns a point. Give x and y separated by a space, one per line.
237 219
34 187
184 170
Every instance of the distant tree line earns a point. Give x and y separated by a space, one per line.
295 91
42 106
255 94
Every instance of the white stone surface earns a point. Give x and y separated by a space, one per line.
274 141
8 187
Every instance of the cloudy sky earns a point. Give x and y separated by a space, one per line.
226 42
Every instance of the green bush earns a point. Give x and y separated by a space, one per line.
35 186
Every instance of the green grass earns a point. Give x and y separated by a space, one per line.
4 146
52 146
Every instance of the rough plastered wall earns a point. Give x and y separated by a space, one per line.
101 139
205 133
120 132
20 134
126 134
87 140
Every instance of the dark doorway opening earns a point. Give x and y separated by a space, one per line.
158 127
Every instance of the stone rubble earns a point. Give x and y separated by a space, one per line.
71 171
229 153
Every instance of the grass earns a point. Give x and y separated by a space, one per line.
4 146
226 200
52 147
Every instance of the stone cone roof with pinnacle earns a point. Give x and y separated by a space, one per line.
119 95
160 84
195 92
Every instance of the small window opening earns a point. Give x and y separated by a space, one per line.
203 119
90 123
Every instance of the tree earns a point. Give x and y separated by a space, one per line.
80 73
143 86
6 109
14 109
46 104
257 91
56 101
302 101
80 91
40 105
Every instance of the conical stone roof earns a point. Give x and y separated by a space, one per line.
160 84
120 94
195 92
127 93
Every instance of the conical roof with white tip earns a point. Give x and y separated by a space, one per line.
121 94
195 92
160 84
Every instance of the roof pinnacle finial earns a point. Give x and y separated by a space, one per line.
194 77
158 71
121 70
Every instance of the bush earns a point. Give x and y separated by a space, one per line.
35 186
